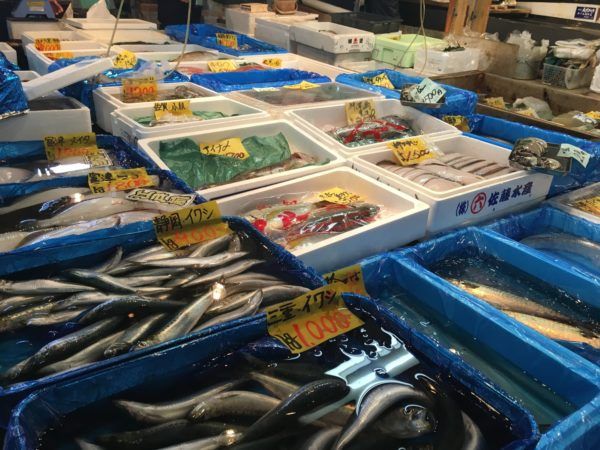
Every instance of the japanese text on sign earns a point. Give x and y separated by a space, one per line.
161 197
273 62
360 111
311 319
302 86
227 40
570 151
381 80
139 89
100 159
118 180
493 199
228 148
173 108
340 196
190 226
125 60
222 65
427 91
409 151
58 146
47 44
351 277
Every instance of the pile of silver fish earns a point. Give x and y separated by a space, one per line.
448 171
145 298
180 92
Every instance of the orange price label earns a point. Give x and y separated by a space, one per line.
102 181
139 89
311 319
59 55
227 40
47 44
410 151
351 277
59 146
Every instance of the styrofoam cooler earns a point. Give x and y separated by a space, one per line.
108 24
402 219
128 36
39 61
243 21
435 61
16 27
171 52
319 118
297 139
291 61
466 204
278 30
189 68
126 126
26 75
333 38
107 99
63 35
9 52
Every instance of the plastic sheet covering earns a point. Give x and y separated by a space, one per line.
20 152
6 64
458 101
540 374
489 407
97 247
240 81
205 35
12 98
505 133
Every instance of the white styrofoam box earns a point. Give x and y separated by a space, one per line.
365 66
190 68
242 21
16 27
26 75
327 117
333 38
107 99
336 59
108 24
278 30
128 36
9 52
402 219
63 35
171 52
39 61
467 204
42 121
434 61
298 140
564 202
291 61
126 126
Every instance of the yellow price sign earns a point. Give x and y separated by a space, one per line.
273 62
227 40
360 111
59 146
100 159
59 55
222 65
496 102
593 115
311 319
143 89
47 44
125 60
302 86
410 151
351 277
189 226
459 122
340 196
381 80
228 148
102 181
172 108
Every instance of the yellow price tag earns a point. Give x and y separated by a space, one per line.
340 196
273 62
228 148
102 181
593 115
222 65
496 102
311 319
100 159
360 111
172 108
59 55
227 40
47 44
125 60
59 146
410 151
189 226
351 277
381 80
139 89
459 122
302 86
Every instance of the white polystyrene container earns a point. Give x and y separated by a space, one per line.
108 24
434 61
107 99
40 61
242 21
298 140
126 126
9 52
278 30
128 36
62 35
17 27
333 38
190 68
291 61
327 117
402 219
562 202
171 52
26 75
466 204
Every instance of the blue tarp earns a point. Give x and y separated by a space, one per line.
241 81
12 97
183 364
483 127
6 64
458 101
206 35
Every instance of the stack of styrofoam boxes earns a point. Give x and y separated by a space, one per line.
213 12
9 52
239 19
278 30
39 61
332 43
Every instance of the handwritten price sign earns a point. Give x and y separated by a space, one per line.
125 60
173 108
228 148
58 146
100 159
161 198
427 92
410 151
273 62
222 65
227 40
340 196
47 44
118 180
351 277
311 319
360 111
139 89
381 80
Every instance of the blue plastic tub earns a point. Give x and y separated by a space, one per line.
206 35
43 410
458 101
241 81
75 252
505 133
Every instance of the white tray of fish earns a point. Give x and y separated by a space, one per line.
29 37
321 120
584 203
208 113
391 218
109 98
40 61
128 36
308 155
109 23
459 196
172 52
292 61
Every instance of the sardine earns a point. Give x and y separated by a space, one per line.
321 440
279 293
574 248
14 175
18 319
41 287
474 439
133 334
110 263
229 303
54 318
82 299
129 304
213 246
225 272
99 280
276 386
42 197
212 443
85 445
207 262
248 309
20 301
235 244
250 285
233 403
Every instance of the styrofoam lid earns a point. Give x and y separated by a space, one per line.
64 77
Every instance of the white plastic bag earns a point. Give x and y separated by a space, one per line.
99 10
539 107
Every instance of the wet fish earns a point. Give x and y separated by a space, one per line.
129 304
82 299
248 309
405 422
213 246
133 334
42 197
14 175
229 303
474 439
54 318
110 263
321 440
276 386
101 281
250 285
579 250
207 262
233 403
19 301
279 293
235 244
18 319
225 272
41 287
223 440
85 445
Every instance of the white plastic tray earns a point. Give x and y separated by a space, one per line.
128 36
26 75
17 27
125 125
560 202
63 35
467 204
242 21
319 118
297 139
107 100
103 24
39 61
9 52
291 61
402 219
333 38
